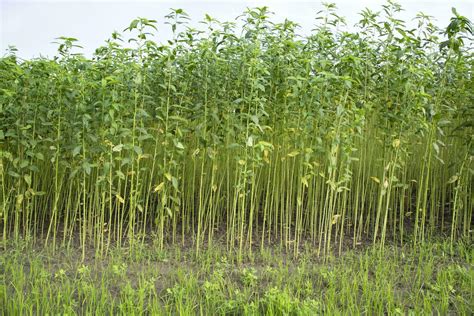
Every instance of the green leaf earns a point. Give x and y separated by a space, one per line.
13 174
24 163
174 182
86 167
27 178
168 210
250 141
436 148
138 150
254 119
179 145
76 151
117 148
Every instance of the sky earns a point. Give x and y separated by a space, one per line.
32 25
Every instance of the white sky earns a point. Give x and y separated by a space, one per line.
32 25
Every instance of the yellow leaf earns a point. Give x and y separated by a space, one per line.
375 179
453 179
265 156
335 218
304 181
159 187
19 200
396 143
119 198
168 176
293 153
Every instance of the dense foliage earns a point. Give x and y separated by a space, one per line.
253 134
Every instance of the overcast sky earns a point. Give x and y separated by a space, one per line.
32 25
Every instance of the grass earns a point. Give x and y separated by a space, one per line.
432 279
